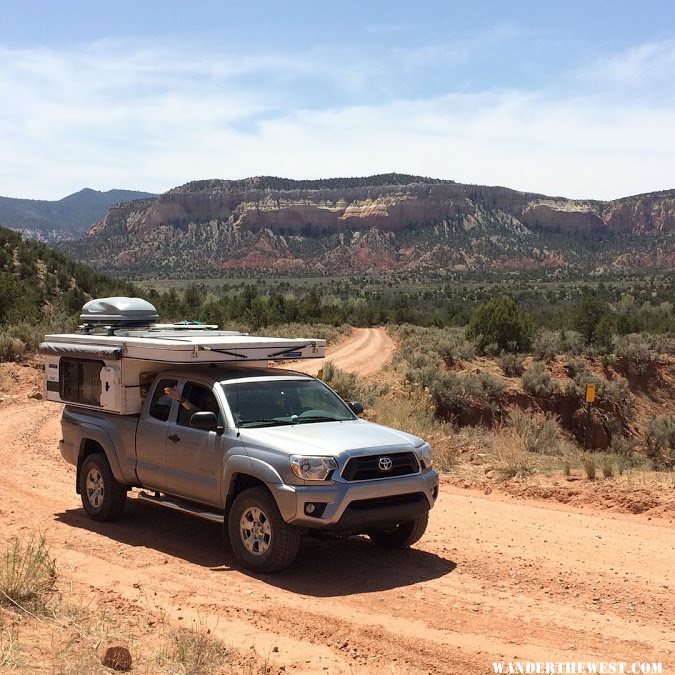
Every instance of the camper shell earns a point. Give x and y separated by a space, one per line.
112 361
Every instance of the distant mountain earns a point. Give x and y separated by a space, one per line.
385 222
67 218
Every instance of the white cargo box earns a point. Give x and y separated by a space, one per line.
113 371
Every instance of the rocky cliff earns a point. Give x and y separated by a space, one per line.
386 222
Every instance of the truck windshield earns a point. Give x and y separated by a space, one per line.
268 403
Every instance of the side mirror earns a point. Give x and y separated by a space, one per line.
205 420
357 408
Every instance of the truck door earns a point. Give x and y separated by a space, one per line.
194 457
151 438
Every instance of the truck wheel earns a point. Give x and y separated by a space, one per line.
402 535
103 497
260 538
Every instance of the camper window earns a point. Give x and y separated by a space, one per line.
80 381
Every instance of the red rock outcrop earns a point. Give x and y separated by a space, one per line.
378 223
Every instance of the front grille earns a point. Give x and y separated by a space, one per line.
368 467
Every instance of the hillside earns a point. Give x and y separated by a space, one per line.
386 222
67 218
40 287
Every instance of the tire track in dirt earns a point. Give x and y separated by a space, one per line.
364 352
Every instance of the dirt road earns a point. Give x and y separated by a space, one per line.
493 579
365 351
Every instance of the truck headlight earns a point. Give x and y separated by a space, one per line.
312 468
424 455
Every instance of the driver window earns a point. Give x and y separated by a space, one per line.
160 406
203 400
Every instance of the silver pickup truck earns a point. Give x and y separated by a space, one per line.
271 454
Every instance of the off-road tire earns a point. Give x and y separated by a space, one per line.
279 541
402 535
103 497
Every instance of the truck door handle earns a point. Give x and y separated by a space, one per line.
174 438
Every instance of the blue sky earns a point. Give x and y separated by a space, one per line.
573 98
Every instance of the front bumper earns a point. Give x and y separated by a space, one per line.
355 506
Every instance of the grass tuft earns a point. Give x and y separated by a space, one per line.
589 464
539 431
9 648
511 457
607 467
192 651
27 575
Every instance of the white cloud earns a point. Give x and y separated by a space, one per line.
112 115
644 66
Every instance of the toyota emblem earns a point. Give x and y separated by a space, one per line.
385 463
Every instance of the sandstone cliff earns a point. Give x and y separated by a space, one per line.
384 222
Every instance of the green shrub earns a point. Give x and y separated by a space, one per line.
549 343
424 378
618 395
455 347
603 342
30 334
417 360
577 367
610 394
500 322
537 382
546 345
452 393
11 348
448 344
661 344
349 387
511 364
635 349
423 366
448 394
483 386
622 446
590 316
660 441
571 342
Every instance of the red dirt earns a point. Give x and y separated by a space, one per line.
496 577
365 351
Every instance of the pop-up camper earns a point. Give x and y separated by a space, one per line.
120 348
